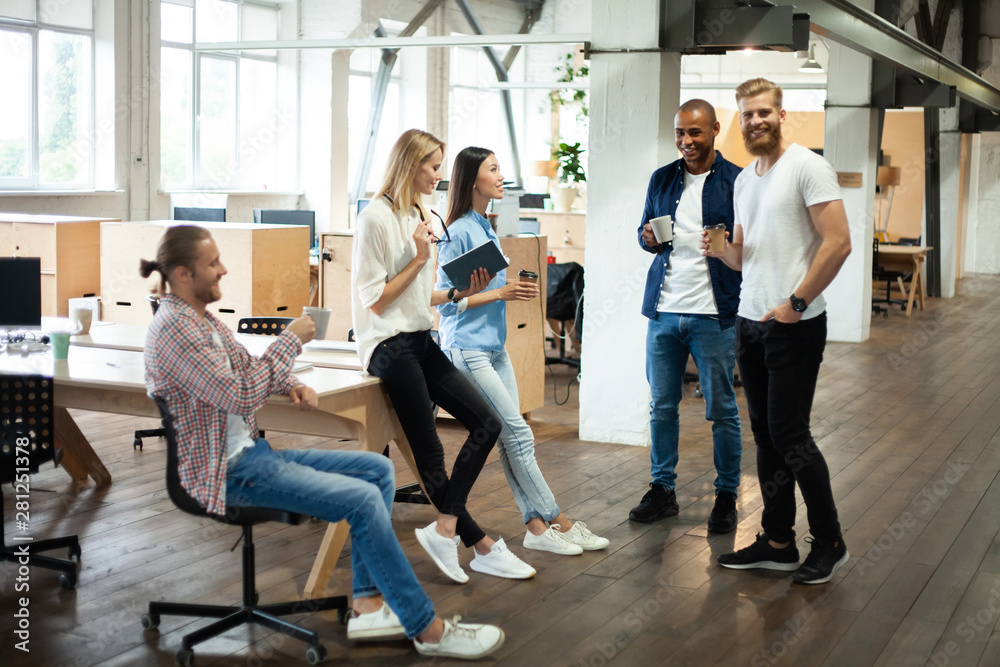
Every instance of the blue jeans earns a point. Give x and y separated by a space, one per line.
670 337
492 375
336 485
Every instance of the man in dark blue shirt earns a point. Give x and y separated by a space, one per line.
691 304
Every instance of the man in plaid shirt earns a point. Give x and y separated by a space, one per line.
213 388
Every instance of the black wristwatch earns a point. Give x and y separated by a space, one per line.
799 304
451 295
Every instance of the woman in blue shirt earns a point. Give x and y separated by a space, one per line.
473 332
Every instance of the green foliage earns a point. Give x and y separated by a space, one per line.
570 74
57 161
13 158
570 168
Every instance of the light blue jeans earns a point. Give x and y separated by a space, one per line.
336 485
493 376
670 337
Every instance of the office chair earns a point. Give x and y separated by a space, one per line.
26 431
264 326
249 611
564 302
154 304
879 274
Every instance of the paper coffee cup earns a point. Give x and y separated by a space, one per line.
716 238
527 276
663 228
321 316
81 319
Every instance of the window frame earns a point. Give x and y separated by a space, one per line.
197 181
33 29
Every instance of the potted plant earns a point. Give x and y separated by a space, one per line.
571 173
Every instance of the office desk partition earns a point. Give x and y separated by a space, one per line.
907 258
351 405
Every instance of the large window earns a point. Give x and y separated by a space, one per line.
220 122
46 75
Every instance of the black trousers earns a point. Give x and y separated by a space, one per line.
779 364
416 373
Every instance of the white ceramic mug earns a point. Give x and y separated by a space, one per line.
321 316
663 228
81 319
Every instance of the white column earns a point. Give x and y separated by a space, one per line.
970 205
340 71
950 155
850 146
633 101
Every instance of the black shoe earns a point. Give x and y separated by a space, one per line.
762 555
724 517
658 503
823 560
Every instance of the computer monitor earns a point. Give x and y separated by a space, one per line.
20 292
190 214
278 217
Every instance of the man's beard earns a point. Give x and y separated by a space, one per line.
765 144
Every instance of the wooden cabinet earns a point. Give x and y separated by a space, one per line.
267 264
566 233
69 248
525 320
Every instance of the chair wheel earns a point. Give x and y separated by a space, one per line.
137 443
67 579
343 615
150 621
315 654
184 657
697 392
256 597
74 553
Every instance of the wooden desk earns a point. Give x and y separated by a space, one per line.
907 258
132 338
351 405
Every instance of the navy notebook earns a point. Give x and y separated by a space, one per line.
486 255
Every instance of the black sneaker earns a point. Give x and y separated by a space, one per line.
658 503
763 556
724 517
823 560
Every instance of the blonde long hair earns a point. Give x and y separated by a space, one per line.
410 150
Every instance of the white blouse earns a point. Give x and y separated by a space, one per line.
383 247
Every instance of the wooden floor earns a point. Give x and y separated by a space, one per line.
908 422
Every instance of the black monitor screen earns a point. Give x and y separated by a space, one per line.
20 292
199 214
278 217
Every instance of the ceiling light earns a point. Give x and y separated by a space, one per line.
811 66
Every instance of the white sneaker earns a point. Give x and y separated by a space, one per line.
463 640
375 625
500 562
551 540
443 551
581 535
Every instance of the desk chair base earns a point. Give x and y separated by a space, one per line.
67 566
248 612
146 433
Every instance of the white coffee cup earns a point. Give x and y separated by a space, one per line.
321 316
663 228
81 319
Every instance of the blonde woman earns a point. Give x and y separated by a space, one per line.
392 294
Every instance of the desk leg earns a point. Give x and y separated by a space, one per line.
79 458
380 425
923 287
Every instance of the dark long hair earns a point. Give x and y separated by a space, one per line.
463 177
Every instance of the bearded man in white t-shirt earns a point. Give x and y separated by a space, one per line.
790 239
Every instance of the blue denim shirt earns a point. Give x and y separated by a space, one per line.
483 328
662 197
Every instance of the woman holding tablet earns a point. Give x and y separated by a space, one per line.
473 332
392 281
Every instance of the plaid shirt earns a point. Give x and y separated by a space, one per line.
187 370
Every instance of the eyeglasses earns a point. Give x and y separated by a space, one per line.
446 237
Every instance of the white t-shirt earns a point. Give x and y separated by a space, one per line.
687 285
238 435
779 239
383 247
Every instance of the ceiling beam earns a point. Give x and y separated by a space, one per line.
397 42
877 38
